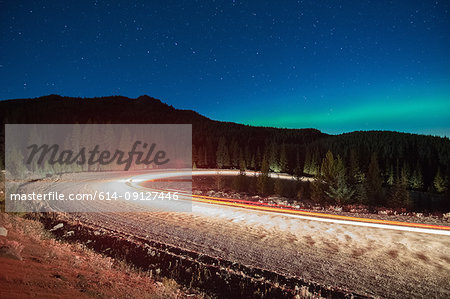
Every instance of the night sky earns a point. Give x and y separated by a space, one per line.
337 66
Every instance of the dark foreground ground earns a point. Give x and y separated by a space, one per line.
35 265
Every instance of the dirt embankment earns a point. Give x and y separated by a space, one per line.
34 264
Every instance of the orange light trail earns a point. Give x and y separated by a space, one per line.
289 211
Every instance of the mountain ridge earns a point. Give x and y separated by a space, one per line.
157 103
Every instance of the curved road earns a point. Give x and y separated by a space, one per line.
362 255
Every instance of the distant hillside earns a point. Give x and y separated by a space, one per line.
114 109
143 110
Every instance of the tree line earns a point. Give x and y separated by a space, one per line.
358 176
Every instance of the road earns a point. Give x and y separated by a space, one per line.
365 256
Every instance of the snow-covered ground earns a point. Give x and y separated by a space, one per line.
367 260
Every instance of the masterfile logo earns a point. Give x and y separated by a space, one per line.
97 164
54 155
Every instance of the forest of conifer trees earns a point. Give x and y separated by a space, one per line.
377 169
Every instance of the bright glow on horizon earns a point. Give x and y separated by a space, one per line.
413 116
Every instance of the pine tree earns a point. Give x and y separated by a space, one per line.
317 193
274 162
223 157
353 171
327 169
332 172
323 179
263 178
195 154
314 166
283 159
339 190
258 159
297 173
361 194
405 175
253 163
297 169
247 156
390 176
235 154
374 182
416 181
399 195
439 182
242 162
204 156
201 156
307 166
356 179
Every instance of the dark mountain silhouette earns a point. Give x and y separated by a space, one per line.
122 110
114 109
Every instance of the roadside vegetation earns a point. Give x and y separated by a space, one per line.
340 183
409 176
